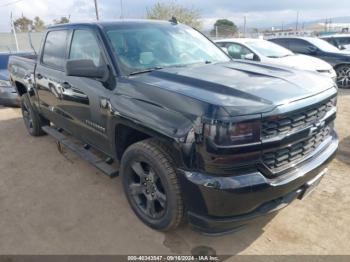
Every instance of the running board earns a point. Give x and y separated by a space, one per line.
82 151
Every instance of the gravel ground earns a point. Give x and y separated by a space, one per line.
54 203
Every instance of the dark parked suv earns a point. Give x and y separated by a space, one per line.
197 136
321 49
340 41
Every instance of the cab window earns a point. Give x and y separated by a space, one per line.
85 46
54 52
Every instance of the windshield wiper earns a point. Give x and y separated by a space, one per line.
145 70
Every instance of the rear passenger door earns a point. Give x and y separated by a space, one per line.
49 74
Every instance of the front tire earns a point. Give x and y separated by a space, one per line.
32 119
151 185
343 76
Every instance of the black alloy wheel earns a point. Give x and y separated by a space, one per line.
27 117
32 120
343 76
147 190
151 185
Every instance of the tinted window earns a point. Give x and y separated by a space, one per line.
340 41
85 46
299 46
55 49
221 44
281 41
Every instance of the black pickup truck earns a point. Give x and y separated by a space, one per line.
196 136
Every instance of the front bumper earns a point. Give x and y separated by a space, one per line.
8 96
216 205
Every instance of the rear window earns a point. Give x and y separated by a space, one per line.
55 49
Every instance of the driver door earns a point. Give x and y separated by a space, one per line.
82 96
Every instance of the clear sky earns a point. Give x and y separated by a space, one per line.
258 12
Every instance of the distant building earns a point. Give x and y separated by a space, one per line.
330 28
286 32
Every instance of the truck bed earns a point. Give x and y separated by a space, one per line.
20 66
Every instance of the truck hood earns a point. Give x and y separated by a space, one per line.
240 87
302 62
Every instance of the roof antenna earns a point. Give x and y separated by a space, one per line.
30 40
173 20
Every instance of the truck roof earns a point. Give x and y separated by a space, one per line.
110 23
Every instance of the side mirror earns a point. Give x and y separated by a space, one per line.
85 68
249 56
341 47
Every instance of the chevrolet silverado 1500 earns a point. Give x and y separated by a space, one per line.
195 134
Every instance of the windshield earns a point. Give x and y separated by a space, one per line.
323 45
269 49
139 47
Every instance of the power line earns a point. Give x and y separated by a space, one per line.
11 3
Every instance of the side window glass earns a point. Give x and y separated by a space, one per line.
282 42
221 44
237 51
85 46
299 46
54 52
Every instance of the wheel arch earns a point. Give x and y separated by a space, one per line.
341 64
125 134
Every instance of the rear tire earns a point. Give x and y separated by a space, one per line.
151 186
32 120
343 76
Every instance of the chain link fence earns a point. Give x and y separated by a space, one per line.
8 42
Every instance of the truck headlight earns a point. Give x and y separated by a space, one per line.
5 83
226 133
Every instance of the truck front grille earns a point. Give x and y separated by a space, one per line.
282 158
274 126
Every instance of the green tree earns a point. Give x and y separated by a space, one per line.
165 11
62 20
39 24
23 24
224 27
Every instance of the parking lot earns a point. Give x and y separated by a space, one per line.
53 203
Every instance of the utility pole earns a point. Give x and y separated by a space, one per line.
297 22
96 9
244 26
14 33
121 9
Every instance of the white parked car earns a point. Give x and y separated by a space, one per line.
271 53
